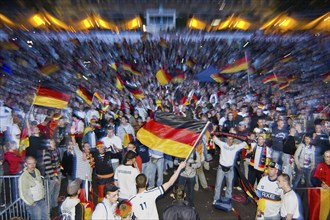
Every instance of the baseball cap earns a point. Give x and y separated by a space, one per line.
99 144
74 186
273 165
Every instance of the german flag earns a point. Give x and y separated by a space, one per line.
171 134
98 96
315 202
218 78
179 77
128 67
113 65
136 92
239 65
49 69
85 95
191 62
270 78
51 97
163 77
119 82
283 85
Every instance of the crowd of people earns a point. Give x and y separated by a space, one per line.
284 131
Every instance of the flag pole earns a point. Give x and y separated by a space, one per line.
248 72
199 137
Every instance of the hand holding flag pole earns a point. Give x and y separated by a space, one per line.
196 142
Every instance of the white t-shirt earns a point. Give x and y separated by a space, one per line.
125 175
290 205
269 190
228 153
109 142
144 204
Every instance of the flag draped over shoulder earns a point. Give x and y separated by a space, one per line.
171 134
51 96
83 93
315 202
239 65
163 77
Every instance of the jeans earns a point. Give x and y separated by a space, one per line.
277 156
188 184
153 166
201 177
287 166
38 210
145 168
54 191
306 172
229 183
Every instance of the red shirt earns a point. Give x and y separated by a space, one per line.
15 161
322 172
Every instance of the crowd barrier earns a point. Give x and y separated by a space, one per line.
12 206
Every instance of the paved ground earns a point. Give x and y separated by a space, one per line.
202 199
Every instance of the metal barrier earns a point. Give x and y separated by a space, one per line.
11 204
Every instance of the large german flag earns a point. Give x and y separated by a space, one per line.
239 65
163 77
128 67
315 202
85 95
51 97
171 134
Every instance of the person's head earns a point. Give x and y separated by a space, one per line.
141 181
260 122
110 131
273 168
35 131
326 157
307 139
283 181
11 145
123 120
124 209
129 157
52 145
178 192
100 147
280 123
111 193
73 188
318 128
241 126
292 131
30 163
86 148
230 140
261 140
131 146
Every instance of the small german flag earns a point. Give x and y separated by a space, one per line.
283 85
239 65
119 82
270 78
179 77
171 134
163 77
326 77
128 67
85 95
51 96
98 96
191 62
218 78
136 92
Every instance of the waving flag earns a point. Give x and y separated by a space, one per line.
218 78
85 95
239 65
98 96
51 96
163 77
136 92
119 82
128 67
270 78
171 134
